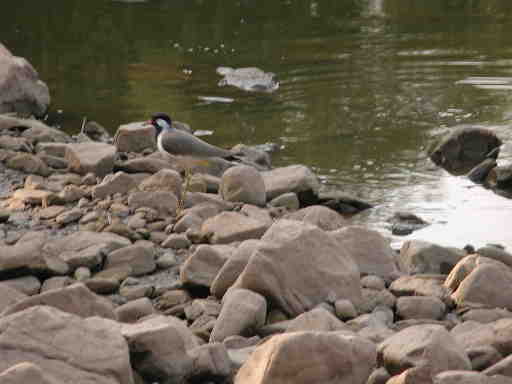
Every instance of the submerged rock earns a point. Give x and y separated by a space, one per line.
248 79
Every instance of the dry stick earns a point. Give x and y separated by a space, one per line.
84 121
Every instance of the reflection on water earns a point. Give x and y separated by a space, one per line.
365 84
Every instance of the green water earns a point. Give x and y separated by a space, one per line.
364 85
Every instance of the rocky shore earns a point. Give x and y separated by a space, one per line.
120 264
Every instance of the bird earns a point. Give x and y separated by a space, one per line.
180 143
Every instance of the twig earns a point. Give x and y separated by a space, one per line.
84 121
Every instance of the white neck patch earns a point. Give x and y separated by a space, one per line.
163 124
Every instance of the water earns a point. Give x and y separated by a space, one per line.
365 86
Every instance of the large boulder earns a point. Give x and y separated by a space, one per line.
427 347
9 295
137 259
465 377
294 178
135 137
497 334
66 347
243 312
464 148
97 158
203 265
300 266
243 184
26 373
369 249
21 90
318 319
164 180
310 357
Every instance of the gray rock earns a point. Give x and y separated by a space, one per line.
420 307
26 373
202 307
483 357
243 184
21 90
135 310
211 362
318 319
164 180
57 149
29 285
97 158
456 377
135 137
17 144
323 217
345 309
290 201
82 273
176 241
373 282
164 202
69 216
9 295
203 265
421 285
148 164
28 163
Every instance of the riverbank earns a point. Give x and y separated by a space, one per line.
121 265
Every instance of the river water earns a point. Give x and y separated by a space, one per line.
365 86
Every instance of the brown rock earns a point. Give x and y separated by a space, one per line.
164 202
76 299
119 182
421 285
140 259
135 137
418 257
464 377
164 180
97 158
299 267
133 311
8 296
28 163
420 307
294 178
318 319
323 217
26 373
310 357
242 313
228 227
66 347
203 265
21 90
244 184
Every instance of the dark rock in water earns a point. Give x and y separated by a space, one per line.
342 202
405 223
464 148
248 79
479 173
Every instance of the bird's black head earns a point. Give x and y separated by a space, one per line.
160 121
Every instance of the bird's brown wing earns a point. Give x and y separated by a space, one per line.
184 144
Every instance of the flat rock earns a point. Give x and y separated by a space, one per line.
228 227
421 285
323 217
28 163
163 180
420 307
66 347
138 259
299 266
119 182
420 257
318 319
164 202
9 295
203 265
94 157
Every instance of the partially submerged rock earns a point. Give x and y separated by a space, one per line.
248 79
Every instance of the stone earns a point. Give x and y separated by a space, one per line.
257 213
464 148
429 346
502 367
300 266
294 178
76 299
310 357
373 282
421 285
464 377
242 313
82 273
379 376
69 216
21 90
57 149
28 163
497 334
90 257
243 184
421 257
173 298
140 260
373 298
164 202
70 194
487 284
176 241
52 161
483 357
486 315
323 217
289 200
148 164
233 267
9 295
164 180
16 144
369 249
211 363
318 319
135 310
202 307
344 309
56 282
193 199
119 182
496 253
228 227
158 347
420 307
97 158
51 212
166 260
135 137
66 347
26 373
29 285
203 265
102 286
